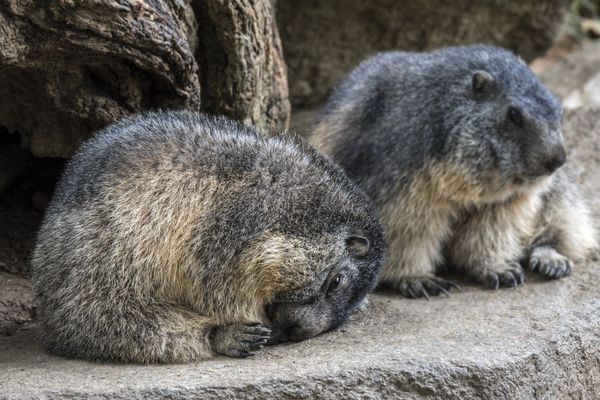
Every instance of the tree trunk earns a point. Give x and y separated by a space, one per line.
243 74
70 67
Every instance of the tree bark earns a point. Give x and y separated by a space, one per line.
70 67
243 74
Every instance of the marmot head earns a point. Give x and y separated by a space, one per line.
505 126
338 290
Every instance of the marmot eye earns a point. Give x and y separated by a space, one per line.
515 115
335 282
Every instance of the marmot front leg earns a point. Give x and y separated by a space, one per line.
239 340
495 273
488 245
415 250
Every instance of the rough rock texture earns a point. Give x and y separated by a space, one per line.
243 74
16 304
70 67
323 40
541 341
572 72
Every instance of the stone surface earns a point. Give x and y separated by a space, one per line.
16 303
568 75
541 341
323 40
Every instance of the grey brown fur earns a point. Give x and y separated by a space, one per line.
175 236
462 151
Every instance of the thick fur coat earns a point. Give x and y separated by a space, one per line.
170 233
462 151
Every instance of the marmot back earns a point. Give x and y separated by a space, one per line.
462 151
173 236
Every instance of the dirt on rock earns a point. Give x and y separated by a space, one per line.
16 303
21 211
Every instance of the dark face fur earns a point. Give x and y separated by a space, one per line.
331 298
510 122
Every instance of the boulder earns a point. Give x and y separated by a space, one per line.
16 303
324 40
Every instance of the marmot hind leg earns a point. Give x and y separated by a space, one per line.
566 232
128 331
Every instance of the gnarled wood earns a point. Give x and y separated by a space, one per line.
70 67
243 74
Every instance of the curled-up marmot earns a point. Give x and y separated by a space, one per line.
461 149
174 236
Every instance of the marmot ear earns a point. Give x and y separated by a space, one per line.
358 246
480 80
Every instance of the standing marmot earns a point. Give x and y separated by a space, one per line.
460 149
170 234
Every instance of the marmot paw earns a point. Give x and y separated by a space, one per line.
424 286
239 340
512 276
549 262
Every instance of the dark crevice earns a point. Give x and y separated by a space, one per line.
26 185
9 138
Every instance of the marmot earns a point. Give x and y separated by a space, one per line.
173 236
461 149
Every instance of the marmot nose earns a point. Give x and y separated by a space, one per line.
556 160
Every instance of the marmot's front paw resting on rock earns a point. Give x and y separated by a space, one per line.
424 286
508 275
548 262
239 340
